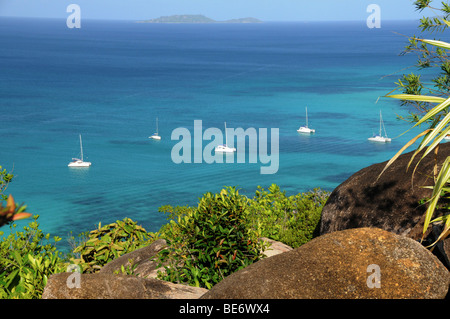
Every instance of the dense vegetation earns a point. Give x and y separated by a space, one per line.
207 242
211 241
220 235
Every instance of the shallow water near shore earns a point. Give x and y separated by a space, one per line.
110 80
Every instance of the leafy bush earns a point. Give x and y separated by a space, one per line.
220 236
292 220
211 241
26 262
109 242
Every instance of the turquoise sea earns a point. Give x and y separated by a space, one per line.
110 80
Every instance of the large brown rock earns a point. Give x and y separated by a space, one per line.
390 202
274 247
109 286
342 265
141 259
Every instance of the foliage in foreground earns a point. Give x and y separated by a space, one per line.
435 84
5 179
220 235
208 242
211 241
292 220
109 242
431 53
26 262
11 212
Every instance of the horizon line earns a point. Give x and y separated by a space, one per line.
218 22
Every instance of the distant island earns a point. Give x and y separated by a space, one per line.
196 18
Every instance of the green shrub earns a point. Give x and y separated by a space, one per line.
109 242
209 242
292 220
26 261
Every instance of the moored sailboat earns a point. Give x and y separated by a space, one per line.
79 162
379 138
306 129
155 136
224 148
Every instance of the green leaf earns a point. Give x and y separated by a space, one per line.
436 43
442 179
117 247
421 98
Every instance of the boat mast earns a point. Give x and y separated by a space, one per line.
384 128
306 116
81 148
226 139
156 126
380 124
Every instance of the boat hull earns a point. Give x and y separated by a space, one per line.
379 139
79 164
224 149
306 130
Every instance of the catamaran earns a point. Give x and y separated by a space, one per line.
224 148
155 136
306 129
77 162
378 137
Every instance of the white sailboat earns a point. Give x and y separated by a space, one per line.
77 162
155 136
378 137
306 129
224 148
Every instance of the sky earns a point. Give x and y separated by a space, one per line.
265 10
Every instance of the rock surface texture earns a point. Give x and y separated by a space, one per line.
390 203
140 258
349 264
274 247
109 286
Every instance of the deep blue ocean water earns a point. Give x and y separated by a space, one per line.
110 80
